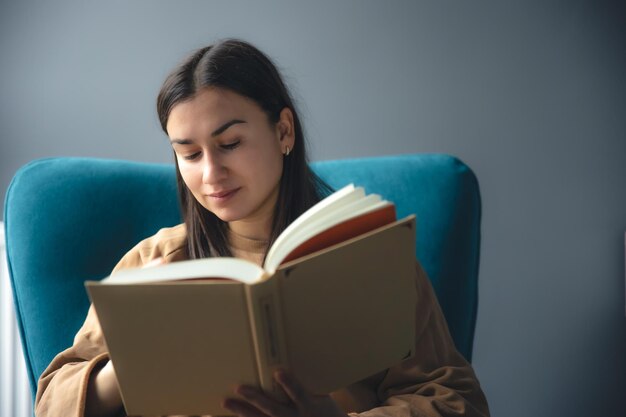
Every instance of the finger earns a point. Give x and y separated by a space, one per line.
154 262
296 392
242 408
264 403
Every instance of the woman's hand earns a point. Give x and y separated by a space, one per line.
301 404
103 395
155 262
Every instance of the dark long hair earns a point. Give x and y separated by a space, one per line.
239 67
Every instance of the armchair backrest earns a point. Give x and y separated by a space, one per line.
69 220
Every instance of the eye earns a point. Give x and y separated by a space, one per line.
230 146
192 156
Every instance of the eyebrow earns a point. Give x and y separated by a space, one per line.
216 132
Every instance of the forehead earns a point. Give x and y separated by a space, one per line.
210 108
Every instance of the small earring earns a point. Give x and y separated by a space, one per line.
287 151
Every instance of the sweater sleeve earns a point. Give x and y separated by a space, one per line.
62 388
437 381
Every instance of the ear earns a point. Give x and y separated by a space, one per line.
286 130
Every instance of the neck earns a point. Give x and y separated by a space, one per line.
255 230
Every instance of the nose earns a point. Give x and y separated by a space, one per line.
213 170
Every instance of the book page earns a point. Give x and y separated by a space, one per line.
341 232
307 231
340 206
332 202
229 268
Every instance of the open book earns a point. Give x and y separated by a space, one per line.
334 303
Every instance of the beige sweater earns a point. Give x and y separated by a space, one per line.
437 381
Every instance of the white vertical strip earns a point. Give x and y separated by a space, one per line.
15 399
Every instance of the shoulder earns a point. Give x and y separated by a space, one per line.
168 243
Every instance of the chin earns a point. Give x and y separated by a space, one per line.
226 215
227 219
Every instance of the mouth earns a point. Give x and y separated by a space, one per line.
223 195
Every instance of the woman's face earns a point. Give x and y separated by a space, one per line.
230 156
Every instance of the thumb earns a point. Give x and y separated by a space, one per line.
155 262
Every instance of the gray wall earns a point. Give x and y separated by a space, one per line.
531 95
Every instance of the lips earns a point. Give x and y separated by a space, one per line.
224 193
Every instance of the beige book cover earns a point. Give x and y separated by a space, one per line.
332 317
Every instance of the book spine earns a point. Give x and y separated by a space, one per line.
266 321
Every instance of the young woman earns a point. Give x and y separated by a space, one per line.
242 178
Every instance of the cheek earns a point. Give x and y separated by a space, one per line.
266 167
190 176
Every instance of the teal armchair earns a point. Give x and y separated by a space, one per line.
69 220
